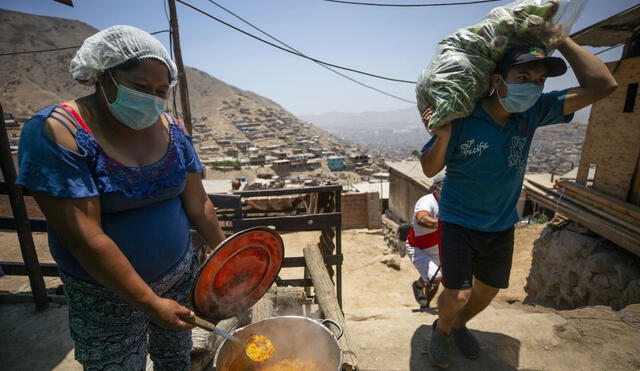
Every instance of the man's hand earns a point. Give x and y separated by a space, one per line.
443 131
168 314
426 116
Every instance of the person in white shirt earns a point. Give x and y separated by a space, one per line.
422 245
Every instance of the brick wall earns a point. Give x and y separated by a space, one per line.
361 210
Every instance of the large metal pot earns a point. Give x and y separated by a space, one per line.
294 337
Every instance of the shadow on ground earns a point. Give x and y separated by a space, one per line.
498 352
34 340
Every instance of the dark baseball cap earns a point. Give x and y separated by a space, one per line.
520 55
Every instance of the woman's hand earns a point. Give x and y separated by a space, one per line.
168 314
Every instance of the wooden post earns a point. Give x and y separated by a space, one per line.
21 217
338 209
265 307
326 297
182 76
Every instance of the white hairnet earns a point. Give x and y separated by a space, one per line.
438 178
113 46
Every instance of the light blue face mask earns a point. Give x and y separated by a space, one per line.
520 97
133 108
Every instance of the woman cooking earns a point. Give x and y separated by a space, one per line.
119 182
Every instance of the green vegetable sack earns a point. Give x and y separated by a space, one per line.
459 74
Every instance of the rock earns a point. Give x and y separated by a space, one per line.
632 293
573 244
391 260
601 262
615 282
581 293
601 280
578 228
569 278
627 273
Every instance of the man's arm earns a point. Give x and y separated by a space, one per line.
425 219
596 82
432 160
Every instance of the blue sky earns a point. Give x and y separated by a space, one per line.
395 42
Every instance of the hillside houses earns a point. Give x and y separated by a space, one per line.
266 137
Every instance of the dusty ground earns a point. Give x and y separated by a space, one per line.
387 331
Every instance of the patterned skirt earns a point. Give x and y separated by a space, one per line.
110 334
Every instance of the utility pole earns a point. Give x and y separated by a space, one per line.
182 76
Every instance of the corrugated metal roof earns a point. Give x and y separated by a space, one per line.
611 31
412 170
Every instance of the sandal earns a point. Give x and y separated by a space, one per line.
418 293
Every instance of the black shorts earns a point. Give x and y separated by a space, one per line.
465 253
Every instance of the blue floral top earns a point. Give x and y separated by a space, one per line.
141 206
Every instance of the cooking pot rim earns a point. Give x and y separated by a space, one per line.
318 323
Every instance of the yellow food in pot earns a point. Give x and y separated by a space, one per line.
259 348
292 365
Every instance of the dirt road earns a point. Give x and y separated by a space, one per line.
387 331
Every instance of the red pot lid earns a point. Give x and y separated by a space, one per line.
238 273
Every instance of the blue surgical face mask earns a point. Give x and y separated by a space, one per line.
133 108
520 97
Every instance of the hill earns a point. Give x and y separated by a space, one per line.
29 82
390 134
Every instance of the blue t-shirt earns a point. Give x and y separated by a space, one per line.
141 208
485 164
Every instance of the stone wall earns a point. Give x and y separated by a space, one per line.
571 267
390 233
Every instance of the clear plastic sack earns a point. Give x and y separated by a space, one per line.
459 73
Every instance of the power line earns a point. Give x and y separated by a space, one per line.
411 5
607 49
40 51
297 51
602 51
57 49
290 51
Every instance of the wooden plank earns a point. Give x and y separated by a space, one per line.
634 193
224 201
27 297
632 227
289 191
298 261
311 222
36 224
590 201
602 198
606 229
19 269
19 210
295 282
338 238
326 298
603 228
290 301
266 306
